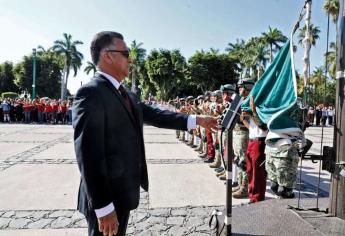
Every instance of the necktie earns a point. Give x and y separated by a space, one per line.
125 98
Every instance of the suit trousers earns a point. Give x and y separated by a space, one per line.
122 217
256 172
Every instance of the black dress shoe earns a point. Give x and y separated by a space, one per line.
234 184
209 160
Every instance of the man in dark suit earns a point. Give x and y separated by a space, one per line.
108 138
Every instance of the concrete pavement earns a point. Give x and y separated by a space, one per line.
39 182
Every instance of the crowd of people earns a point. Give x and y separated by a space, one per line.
252 163
38 110
321 115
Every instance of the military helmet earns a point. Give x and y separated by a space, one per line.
189 98
228 87
247 83
200 97
182 99
208 93
217 93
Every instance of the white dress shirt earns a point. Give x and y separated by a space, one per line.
191 124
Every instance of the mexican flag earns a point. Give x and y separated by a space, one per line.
275 97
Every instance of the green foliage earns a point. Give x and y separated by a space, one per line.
146 86
272 38
11 95
332 7
7 78
137 56
208 71
319 89
48 74
90 67
67 48
330 58
314 34
165 69
253 56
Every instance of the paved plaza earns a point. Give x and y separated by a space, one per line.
39 181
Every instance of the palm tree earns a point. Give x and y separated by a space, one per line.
331 60
41 49
331 7
214 51
260 58
314 34
317 78
236 53
90 67
273 37
255 56
72 58
137 55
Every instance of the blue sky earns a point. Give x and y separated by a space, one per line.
188 25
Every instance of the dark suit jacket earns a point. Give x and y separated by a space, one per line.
109 144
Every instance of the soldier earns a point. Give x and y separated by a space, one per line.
255 155
216 110
177 106
207 149
240 143
182 109
209 139
282 162
227 91
197 109
189 138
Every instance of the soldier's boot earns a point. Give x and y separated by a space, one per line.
285 192
220 169
203 155
274 187
217 162
242 192
191 141
236 185
204 148
220 174
177 134
198 148
181 136
222 177
235 188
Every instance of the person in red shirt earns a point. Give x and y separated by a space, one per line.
40 109
54 104
62 112
47 112
27 111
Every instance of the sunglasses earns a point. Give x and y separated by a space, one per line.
124 53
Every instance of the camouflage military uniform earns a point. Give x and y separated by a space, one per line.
240 143
281 166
